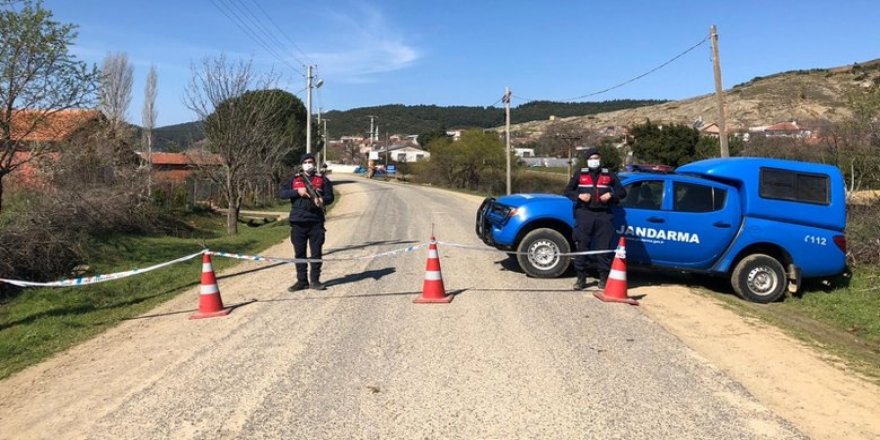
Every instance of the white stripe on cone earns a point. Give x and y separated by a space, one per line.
206 267
433 254
617 275
209 289
433 276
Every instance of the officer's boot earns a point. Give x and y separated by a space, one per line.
581 282
603 278
315 284
299 285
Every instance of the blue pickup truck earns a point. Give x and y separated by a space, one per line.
765 223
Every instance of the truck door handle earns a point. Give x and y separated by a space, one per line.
656 220
721 225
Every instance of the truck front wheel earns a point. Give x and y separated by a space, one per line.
759 278
538 253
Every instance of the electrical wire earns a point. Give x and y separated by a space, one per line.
524 99
705 39
227 11
256 25
284 34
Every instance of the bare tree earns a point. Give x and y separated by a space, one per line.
38 79
116 82
148 119
350 153
239 127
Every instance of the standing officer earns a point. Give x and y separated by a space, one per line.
594 191
309 192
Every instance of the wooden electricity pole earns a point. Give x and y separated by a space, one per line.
569 138
719 92
506 100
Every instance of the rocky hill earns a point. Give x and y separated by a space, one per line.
805 96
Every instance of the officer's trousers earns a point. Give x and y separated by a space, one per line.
593 231
311 234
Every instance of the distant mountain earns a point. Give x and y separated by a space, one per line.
403 119
177 137
815 95
810 97
416 119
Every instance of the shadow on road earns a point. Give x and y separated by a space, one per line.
311 295
232 308
340 181
368 244
637 276
245 272
354 277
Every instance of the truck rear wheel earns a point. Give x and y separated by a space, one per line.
540 251
759 278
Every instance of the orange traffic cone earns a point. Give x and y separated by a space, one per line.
433 290
615 286
210 303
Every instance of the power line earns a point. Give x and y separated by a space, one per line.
705 39
258 23
230 14
284 34
524 99
255 27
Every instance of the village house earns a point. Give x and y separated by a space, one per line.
782 129
404 153
45 131
455 134
787 129
524 152
177 167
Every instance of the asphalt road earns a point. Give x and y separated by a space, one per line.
510 357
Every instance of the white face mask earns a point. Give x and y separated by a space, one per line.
309 167
593 163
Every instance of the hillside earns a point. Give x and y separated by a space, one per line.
177 137
806 96
416 119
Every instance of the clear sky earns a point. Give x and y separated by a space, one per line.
465 52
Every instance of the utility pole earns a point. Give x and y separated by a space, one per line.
386 152
371 131
309 109
506 100
568 138
309 87
326 139
319 159
719 92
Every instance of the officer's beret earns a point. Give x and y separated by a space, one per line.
591 151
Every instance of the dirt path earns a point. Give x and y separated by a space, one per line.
510 357
811 389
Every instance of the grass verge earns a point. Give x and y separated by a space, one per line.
38 323
844 321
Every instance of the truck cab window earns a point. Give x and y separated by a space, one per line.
644 194
690 197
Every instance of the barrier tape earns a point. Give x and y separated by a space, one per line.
485 249
82 281
317 260
99 278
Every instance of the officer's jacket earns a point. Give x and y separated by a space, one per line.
303 209
596 184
